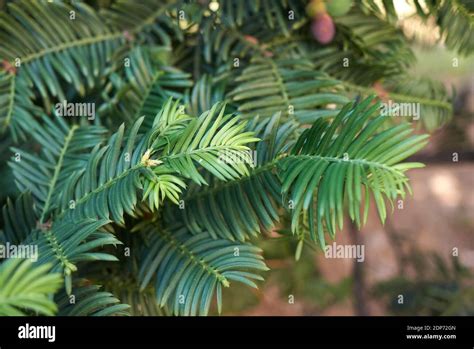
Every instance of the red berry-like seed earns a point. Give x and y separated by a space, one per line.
323 28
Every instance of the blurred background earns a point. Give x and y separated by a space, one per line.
424 252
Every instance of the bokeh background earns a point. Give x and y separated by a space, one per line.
412 254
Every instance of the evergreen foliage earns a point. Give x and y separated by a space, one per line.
211 124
